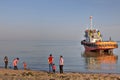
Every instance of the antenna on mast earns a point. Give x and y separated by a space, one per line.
91 22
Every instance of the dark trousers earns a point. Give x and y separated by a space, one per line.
6 64
61 68
54 70
15 68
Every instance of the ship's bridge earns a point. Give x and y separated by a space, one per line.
93 35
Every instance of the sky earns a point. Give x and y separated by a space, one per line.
58 19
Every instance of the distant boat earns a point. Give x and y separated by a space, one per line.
93 41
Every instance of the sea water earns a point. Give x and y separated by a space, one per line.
36 53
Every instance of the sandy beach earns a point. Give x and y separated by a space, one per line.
8 74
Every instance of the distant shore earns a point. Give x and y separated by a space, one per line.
9 74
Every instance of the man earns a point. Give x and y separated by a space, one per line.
15 62
50 62
6 61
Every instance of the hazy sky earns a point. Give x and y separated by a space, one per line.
57 19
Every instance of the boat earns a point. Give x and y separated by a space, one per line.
93 41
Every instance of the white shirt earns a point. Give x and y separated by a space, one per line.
61 62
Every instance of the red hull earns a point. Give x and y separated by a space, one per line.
90 48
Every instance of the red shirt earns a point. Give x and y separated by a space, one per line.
50 60
25 65
54 67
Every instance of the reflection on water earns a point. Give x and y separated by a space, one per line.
100 62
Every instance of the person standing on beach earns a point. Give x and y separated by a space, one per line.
50 62
6 61
61 63
15 62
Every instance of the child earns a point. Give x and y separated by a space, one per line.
54 68
24 65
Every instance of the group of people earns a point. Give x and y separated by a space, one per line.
15 62
52 67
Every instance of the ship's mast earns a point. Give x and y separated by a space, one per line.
91 22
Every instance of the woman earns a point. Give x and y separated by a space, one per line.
61 63
15 62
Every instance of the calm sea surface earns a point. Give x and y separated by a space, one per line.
36 53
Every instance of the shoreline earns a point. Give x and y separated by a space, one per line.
9 74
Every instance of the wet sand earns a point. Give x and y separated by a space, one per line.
8 74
